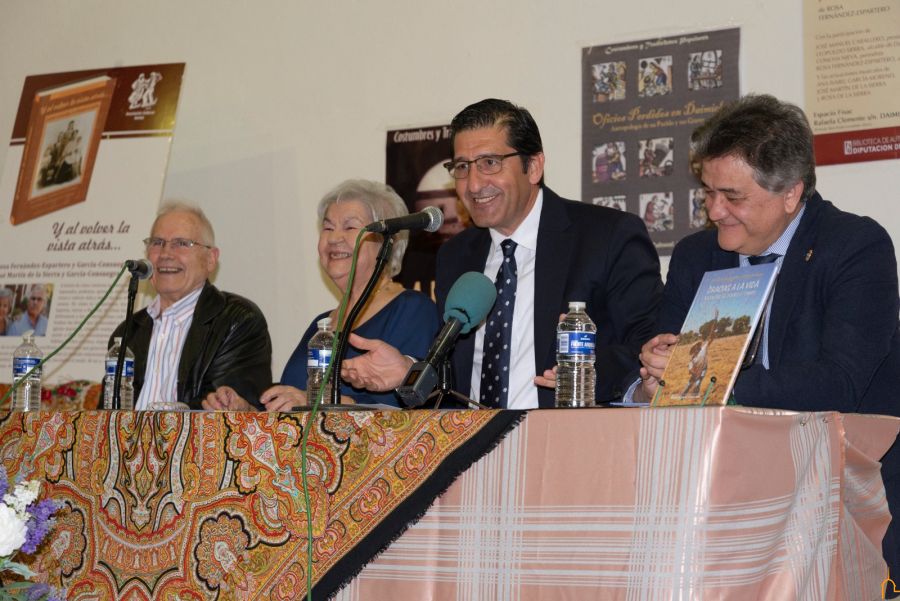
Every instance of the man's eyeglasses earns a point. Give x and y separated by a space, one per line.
176 244
488 165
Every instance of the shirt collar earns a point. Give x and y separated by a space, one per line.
188 302
527 233
780 246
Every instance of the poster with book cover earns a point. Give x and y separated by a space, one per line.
81 184
640 102
716 334
61 144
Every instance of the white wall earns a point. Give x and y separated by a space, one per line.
284 99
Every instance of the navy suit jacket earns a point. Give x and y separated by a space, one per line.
834 333
601 256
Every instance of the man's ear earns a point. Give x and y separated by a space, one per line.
536 168
792 198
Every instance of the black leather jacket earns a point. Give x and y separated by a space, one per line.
228 344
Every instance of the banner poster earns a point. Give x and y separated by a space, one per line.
415 169
641 101
852 57
80 188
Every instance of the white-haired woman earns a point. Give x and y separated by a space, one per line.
405 319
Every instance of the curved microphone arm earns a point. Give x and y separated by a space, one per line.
384 256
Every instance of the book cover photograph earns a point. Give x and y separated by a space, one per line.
64 130
715 336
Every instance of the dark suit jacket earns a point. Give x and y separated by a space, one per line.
227 344
601 256
834 333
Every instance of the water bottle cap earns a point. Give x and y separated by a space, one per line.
577 305
324 323
29 335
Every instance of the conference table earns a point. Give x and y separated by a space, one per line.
666 503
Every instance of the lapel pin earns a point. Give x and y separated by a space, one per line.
809 254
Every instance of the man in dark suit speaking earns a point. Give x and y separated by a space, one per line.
543 252
831 338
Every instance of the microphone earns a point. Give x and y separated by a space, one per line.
469 301
142 269
429 219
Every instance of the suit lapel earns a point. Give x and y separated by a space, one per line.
208 306
792 278
554 253
473 260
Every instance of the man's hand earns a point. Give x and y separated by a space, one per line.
381 369
284 398
226 399
548 380
654 356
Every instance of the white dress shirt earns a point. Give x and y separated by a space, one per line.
169 333
522 391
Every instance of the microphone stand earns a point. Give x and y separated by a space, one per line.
116 400
381 261
444 388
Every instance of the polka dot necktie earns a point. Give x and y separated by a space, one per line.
498 333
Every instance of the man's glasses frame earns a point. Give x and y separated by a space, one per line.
488 165
176 244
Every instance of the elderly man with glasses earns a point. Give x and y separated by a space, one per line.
542 252
33 318
193 338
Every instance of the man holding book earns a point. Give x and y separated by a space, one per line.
831 337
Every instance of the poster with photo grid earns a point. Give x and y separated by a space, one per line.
641 101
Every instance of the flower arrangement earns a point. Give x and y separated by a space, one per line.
24 522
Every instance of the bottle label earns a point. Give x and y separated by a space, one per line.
21 366
318 358
127 368
575 343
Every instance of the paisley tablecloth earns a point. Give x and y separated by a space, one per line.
202 506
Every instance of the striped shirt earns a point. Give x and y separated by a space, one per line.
169 333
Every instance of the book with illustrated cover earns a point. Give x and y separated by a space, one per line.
716 334
61 142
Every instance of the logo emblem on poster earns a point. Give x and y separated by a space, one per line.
848 147
142 97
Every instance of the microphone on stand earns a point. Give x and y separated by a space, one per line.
469 301
142 269
430 220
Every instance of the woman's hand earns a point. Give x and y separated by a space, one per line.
283 398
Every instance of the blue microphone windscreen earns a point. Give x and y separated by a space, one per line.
470 299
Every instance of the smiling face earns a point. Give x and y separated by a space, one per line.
178 273
36 301
4 307
500 201
340 227
749 218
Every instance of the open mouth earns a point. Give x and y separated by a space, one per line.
486 199
339 255
168 270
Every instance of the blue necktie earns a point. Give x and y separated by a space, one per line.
498 333
760 342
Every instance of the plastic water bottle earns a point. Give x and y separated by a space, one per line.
575 374
27 397
318 357
126 392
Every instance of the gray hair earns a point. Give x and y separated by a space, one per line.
186 206
36 286
771 136
381 202
6 293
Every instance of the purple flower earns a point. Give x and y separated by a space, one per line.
57 594
39 524
4 483
38 591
